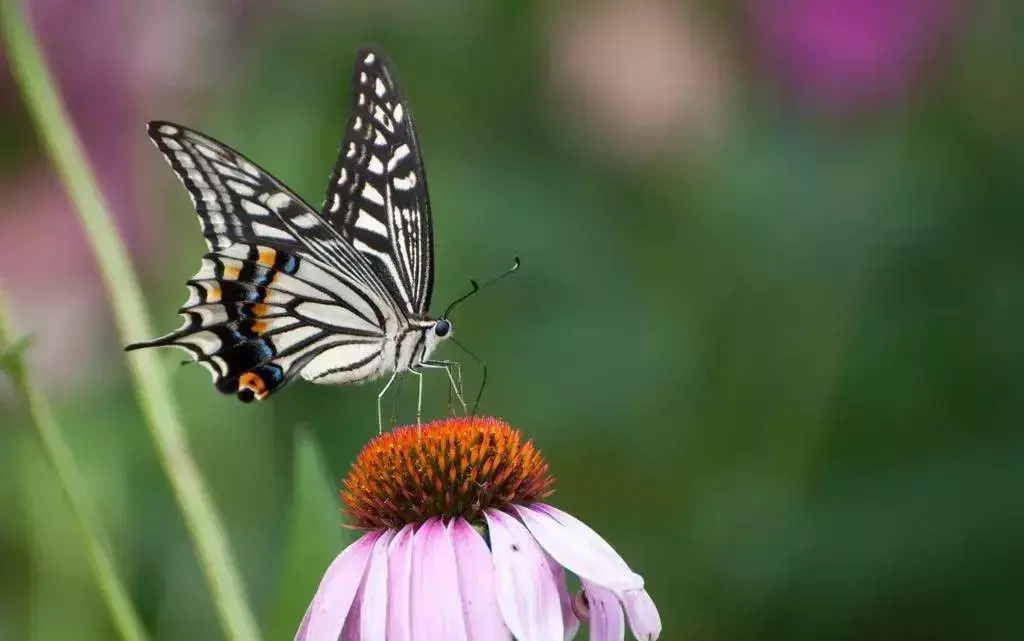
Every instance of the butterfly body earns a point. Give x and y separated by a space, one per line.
335 296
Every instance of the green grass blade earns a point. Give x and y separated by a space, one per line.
96 544
149 376
316 536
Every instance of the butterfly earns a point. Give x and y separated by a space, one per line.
336 296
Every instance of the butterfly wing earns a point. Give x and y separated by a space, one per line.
256 317
280 292
377 197
237 201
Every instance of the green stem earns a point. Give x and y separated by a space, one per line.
97 546
148 374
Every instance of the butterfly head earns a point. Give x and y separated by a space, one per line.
443 328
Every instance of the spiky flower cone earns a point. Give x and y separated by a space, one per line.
459 546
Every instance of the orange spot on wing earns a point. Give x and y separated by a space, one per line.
267 256
231 273
258 327
260 309
212 294
254 383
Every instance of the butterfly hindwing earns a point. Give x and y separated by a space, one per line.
258 316
377 196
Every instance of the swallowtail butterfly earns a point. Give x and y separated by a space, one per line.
336 296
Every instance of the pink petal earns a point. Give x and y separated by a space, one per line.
606 620
476 584
569 619
333 599
644 620
367 617
351 630
436 604
399 584
373 595
527 594
578 548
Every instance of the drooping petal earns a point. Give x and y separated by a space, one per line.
400 584
476 584
373 595
570 622
606 620
337 591
644 620
527 594
436 607
366 619
352 622
578 548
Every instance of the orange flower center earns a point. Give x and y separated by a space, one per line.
450 467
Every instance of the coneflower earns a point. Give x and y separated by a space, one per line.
459 545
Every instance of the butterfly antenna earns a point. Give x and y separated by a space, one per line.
483 382
477 287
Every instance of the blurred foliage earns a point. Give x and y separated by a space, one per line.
778 368
10 353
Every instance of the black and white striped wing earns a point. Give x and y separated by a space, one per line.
237 201
377 197
280 293
256 317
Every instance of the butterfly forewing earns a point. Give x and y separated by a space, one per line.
229 192
238 201
377 196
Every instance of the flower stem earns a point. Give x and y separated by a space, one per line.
97 546
149 376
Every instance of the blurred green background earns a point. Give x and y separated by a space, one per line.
767 330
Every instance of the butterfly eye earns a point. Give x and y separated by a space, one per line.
442 327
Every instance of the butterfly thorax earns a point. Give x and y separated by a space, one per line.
420 340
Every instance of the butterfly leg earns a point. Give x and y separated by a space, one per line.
458 389
453 390
380 398
447 366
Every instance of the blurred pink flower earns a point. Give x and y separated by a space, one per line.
645 75
839 53
460 547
